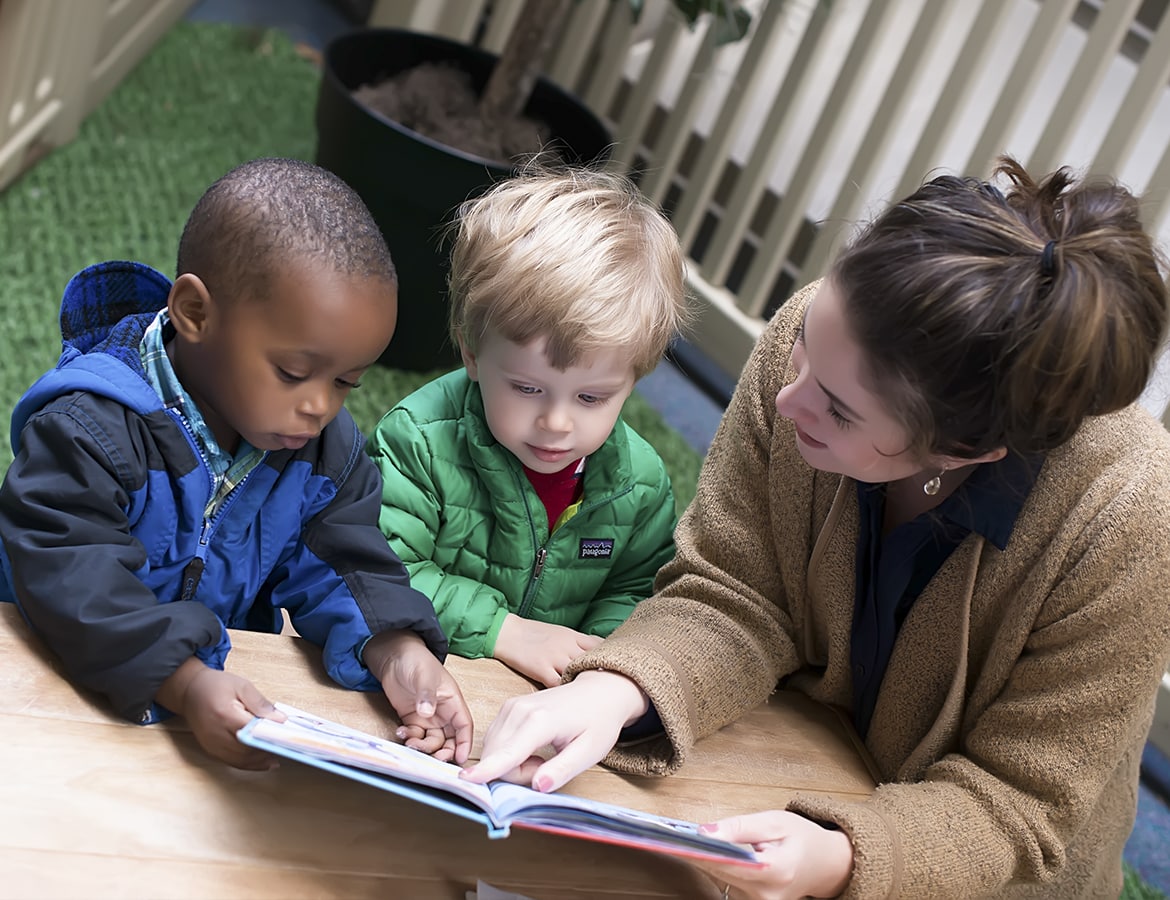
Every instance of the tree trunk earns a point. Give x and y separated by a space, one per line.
522 59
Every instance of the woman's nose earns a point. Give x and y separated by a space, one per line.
791 402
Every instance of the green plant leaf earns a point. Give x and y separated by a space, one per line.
730 21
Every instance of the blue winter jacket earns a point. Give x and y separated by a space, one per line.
103 542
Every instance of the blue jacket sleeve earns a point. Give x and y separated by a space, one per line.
74 565
342 583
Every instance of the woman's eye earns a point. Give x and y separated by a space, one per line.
836 416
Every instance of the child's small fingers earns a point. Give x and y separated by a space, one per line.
461 741
445 753
410 732
255 760
430 741
550 677
256 703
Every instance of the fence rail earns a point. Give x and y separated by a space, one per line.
768 150
59 59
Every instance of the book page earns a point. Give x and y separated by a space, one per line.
567 813
333 741
396 767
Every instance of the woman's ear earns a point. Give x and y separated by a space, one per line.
957 462
189 307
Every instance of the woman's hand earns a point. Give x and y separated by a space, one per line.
802 859
581 720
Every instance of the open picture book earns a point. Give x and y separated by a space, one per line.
500 805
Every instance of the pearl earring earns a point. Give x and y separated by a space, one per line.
933 486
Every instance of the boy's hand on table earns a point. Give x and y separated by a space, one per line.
216 705
539 650
434 715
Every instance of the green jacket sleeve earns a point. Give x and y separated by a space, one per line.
650 547
470 612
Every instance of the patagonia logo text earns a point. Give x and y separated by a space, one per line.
596 548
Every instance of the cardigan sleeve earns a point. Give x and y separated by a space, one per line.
719 615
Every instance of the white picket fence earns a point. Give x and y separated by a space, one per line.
766 151
59 59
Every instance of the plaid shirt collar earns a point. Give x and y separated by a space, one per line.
227 471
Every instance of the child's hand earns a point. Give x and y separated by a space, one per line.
216 705
434 715
540 650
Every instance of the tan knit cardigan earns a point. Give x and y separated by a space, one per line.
1011 719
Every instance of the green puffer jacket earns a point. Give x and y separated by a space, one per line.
459 511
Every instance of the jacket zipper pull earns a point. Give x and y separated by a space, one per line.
194 570
540 555
191 576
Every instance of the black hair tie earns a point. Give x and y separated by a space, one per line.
1048 260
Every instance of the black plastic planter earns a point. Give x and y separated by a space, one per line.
413 184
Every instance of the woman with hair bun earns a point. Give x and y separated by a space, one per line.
932 501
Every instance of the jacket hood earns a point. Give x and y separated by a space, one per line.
104 311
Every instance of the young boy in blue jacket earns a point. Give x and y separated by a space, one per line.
523 506
188 467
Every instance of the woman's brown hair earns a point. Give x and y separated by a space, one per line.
993 319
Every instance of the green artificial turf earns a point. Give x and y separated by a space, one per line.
1136 889
208 97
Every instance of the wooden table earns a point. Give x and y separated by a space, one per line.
91 806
